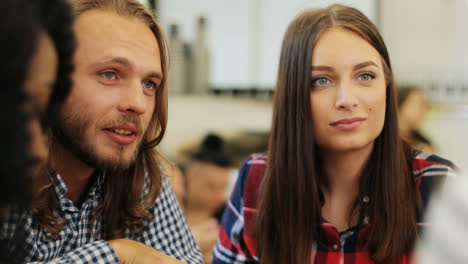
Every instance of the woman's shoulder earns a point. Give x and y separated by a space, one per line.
431 172
259 159
251 174
427 164
254 166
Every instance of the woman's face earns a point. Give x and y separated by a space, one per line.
38 85
348 93
413 109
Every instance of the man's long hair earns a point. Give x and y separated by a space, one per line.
122 208
289 208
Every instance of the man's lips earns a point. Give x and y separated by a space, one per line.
122 134
348 124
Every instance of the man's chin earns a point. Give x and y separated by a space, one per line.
115 161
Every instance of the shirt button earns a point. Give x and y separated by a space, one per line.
366 199
335 247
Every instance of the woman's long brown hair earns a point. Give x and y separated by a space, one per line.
122 208
289 208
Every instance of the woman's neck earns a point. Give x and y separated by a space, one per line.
343 173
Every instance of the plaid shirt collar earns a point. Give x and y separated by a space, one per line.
66 205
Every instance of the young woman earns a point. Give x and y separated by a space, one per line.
338 184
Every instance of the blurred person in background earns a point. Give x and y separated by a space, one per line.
36 54
412 107
206 232
338 185
205 177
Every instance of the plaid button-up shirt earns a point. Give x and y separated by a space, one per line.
237 245
26 241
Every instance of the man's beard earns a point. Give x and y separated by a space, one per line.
70 133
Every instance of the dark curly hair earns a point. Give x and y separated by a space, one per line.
57 20
21 23
16 50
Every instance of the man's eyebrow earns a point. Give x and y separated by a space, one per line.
127 64
118 60
156 75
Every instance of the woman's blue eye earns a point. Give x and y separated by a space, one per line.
320 81
108 75
149 85
366 77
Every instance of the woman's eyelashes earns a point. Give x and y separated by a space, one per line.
366 76
324 81
320 81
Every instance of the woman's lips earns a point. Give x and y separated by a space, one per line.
348 124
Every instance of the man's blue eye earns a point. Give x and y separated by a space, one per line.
149 85
108 75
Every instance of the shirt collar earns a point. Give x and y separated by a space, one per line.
363 216
61 189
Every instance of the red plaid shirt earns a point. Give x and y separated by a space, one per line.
235 245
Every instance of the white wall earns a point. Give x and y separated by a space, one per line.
227 25
244 35
274 17
427 39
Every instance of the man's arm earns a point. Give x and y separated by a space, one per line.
123 251
168 231
96 252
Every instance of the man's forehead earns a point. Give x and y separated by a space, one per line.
103 34
100 24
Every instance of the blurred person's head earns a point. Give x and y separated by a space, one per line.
115 115
334 97
208 175
37 49
412 106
